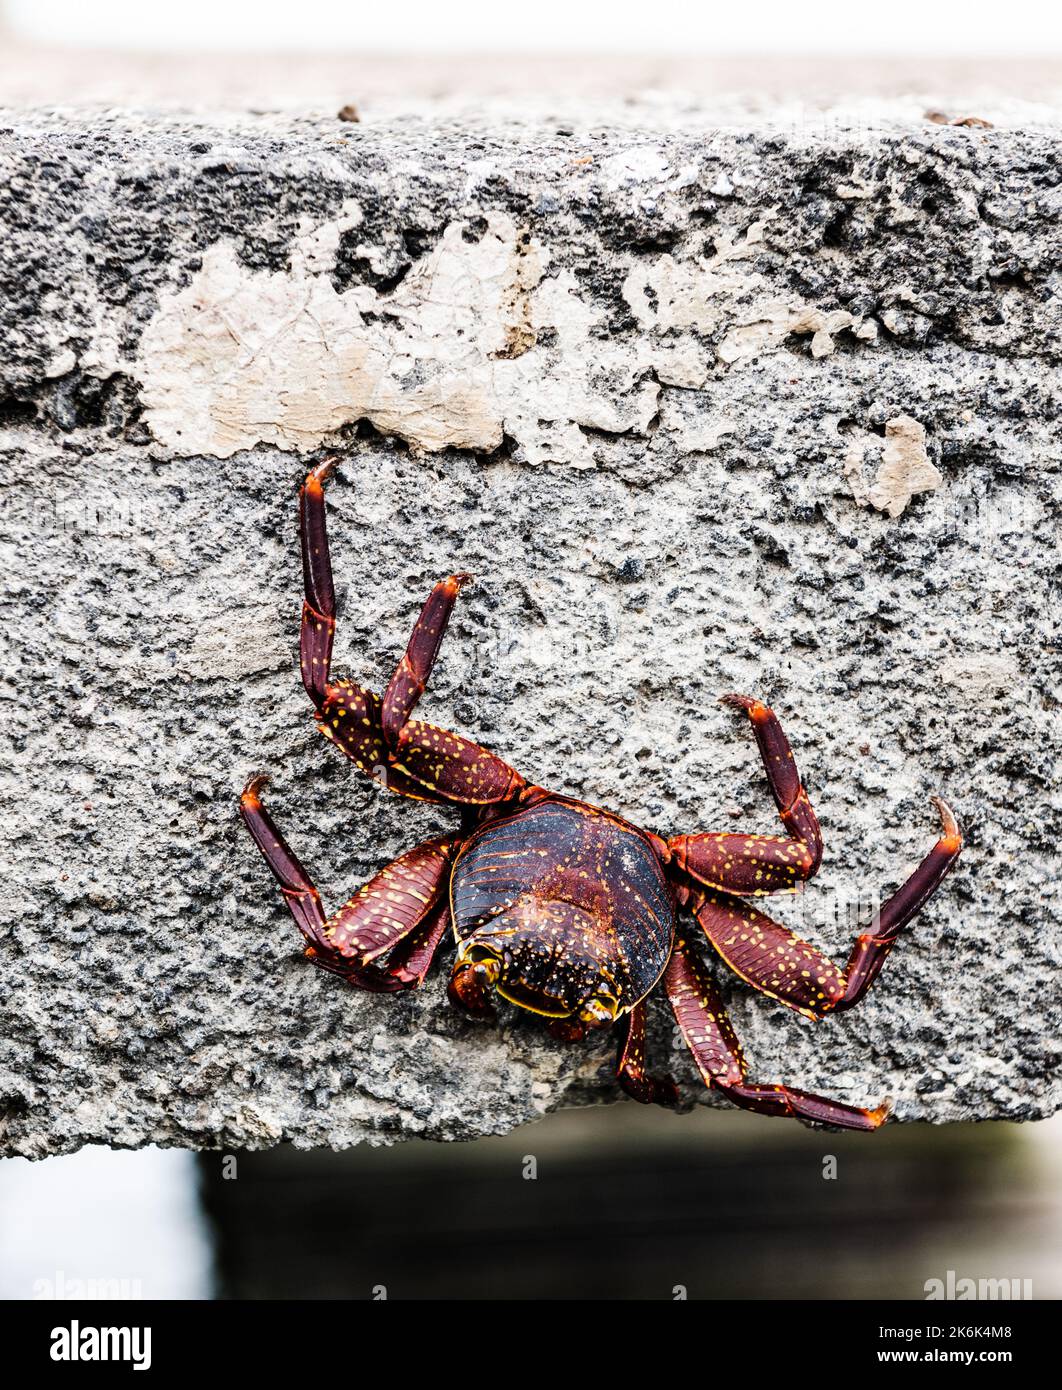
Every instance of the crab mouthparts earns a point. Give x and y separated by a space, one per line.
479 969
536 1001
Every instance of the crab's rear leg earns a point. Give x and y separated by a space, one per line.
386 935
871 950
779 964
794 808
710 1037
750 865
631 1070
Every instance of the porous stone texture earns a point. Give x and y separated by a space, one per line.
703 410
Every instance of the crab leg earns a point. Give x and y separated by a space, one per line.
779 964
752 865
411 959
794 808
871 950
385 936
755 865
431 764
410 757
630 1067
430 759
345 713
407 684
749 865
319 604
710 1037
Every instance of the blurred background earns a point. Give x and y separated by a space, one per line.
772 59
617 1202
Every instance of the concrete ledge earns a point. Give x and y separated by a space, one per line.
703 409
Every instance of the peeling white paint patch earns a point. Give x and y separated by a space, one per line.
718 299
904 469
480 342
695 422
665 294
240 358
778 320
684 364
451 358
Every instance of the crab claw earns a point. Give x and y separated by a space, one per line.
471 982
599 1012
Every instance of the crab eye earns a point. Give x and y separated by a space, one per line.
478 955
599 1011
481 962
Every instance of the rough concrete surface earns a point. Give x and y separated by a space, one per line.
772 410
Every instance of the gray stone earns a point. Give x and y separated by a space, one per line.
772 410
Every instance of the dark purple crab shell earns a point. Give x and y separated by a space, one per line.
572 902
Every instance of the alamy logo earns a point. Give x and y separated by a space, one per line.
61 1287
77 1343
963 1288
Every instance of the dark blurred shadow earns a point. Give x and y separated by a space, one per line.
630 1203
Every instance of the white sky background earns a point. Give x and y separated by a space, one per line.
100 1215
949 28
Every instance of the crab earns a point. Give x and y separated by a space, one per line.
560 907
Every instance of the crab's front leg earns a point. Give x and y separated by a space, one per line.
410 679
318 626
410 757
385 937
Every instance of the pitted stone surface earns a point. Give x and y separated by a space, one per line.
703 410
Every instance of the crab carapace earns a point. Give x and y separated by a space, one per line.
561 907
